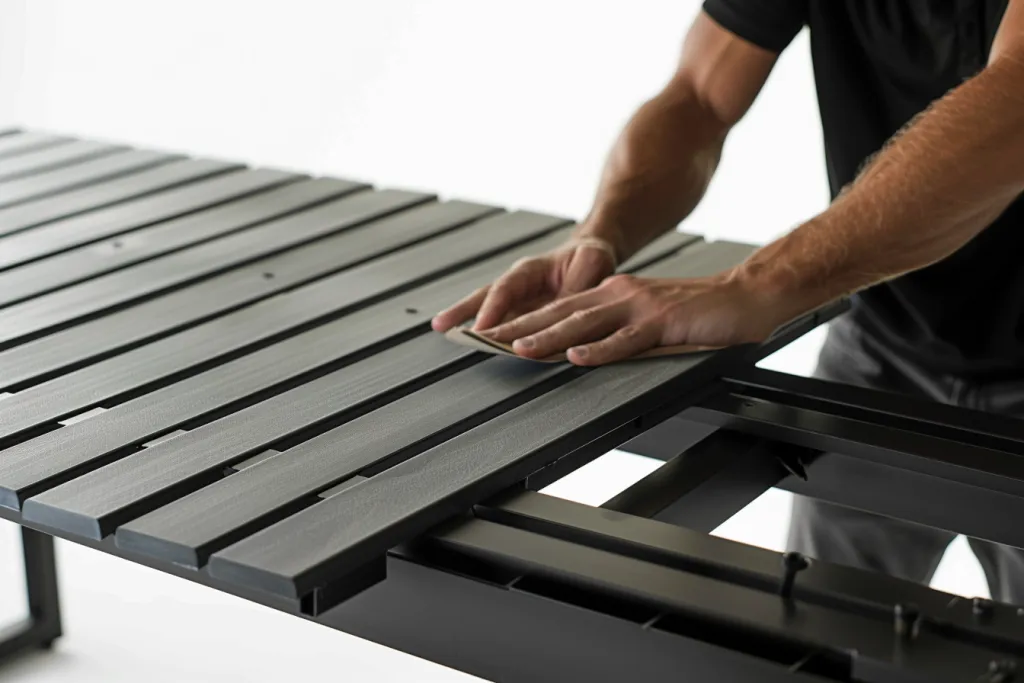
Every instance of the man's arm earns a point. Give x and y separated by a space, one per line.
931 190
655 175
662 162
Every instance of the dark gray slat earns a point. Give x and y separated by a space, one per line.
261 199
348 530
203 344
254 459
215 256
187 530
60 180
18 248
177 310
130 215
343 486
94 504
71 393
22 142
50 158
33 466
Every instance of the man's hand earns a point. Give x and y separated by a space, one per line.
532 283
627 315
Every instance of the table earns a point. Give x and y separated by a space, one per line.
228 374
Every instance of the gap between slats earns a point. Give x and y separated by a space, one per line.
317 429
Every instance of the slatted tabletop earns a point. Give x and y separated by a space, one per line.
232 370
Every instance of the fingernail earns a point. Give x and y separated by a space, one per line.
580 351
527 342
486 333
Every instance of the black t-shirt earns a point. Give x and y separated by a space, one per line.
877 64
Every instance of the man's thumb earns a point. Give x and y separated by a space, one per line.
587 268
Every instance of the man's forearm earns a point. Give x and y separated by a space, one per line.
657 171
929 192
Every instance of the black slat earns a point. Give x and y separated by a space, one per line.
49 158
992 430
80 175
115 289
94 504
700 553
346 531
79 264
299 306
48 460
987 468
17 248
187 530
725 607
17 143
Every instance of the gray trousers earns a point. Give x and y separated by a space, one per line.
910 551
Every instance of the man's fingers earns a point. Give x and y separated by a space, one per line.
581 327
495 306
542 318
460 312
517 285
623 344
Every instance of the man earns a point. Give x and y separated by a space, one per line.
922 105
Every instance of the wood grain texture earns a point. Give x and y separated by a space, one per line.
50 158
187 530
56 181
46 461
22 142
205 343
212 257
135 213
338 488
344 532
262 199
299 306
19 244
92 505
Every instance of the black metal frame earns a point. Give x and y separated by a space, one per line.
526 587
513 585
42 626
868 449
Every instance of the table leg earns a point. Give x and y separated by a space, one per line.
43 625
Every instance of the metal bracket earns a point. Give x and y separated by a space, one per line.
43 625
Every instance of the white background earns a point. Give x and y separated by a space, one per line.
512 103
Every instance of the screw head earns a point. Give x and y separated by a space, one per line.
906 619
795 561
1002 666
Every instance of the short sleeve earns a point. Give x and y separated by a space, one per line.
770 24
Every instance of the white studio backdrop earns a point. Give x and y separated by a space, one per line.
512 104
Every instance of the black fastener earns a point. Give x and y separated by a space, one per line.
1001 671
906 621
792 563
981 607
